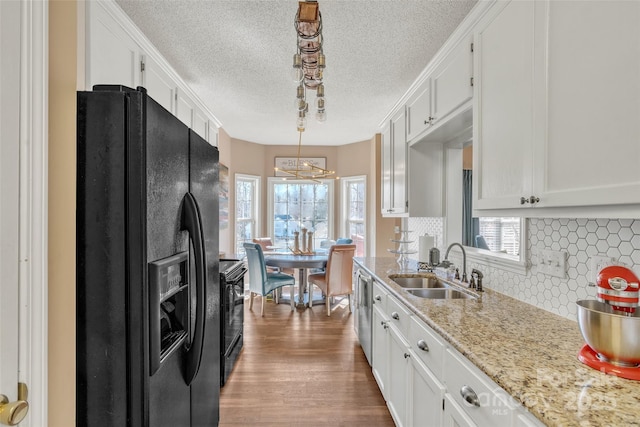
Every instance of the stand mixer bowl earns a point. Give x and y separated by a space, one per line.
613 334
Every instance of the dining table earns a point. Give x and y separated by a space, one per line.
300 262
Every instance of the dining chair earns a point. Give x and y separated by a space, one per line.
262 282
344 241
266 243
337 277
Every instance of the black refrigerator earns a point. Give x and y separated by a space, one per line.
147 297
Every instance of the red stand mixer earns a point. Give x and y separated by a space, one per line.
611 325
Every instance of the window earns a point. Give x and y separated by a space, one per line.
294 205
247 202
501 234
354 208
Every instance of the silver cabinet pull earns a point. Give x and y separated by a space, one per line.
469 396
422 345
378 298
395 315
531 200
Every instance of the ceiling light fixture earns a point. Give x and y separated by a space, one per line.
305 170
309 62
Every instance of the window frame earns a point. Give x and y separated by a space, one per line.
271 181
257 181
344 207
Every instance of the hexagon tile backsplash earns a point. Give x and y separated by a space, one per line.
579 238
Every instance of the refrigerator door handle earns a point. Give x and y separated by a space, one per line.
191 221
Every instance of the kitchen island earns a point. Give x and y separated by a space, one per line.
529 352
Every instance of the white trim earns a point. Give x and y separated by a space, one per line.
34 206
500 260
111 7
344 214
465 28
257 202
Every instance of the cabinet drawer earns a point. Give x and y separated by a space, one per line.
427 346
380 296
399 315
482 399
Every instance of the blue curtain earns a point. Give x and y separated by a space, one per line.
470 225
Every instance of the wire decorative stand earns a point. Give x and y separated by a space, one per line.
403 250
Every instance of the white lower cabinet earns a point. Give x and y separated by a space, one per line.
426 394
398 376
401 367
380 348
480 398
454 416
427 383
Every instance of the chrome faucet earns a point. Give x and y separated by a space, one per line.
464 259
476 280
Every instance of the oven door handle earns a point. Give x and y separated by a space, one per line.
191 221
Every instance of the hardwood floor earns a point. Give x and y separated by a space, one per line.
301 368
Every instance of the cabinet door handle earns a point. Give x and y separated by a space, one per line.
531 200
469 396
395 316
422 345
378 298
407 355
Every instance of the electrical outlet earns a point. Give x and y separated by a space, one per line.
396 229
553 263
597 263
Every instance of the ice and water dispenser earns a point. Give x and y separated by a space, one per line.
169 300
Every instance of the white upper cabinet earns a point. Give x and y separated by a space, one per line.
503 113
184 108
589 153
394 166
399 161
200 123
117 53
434 109
556 110
452 81
188 112
419 115
386 171
158 83
112 56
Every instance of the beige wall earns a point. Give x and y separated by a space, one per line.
61 213
360 158
467 157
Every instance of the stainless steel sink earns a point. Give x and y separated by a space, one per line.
419 282
440 293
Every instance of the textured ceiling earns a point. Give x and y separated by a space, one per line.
236 55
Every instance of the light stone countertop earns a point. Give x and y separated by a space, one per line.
529 352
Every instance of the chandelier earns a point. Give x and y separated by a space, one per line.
305 170
308 61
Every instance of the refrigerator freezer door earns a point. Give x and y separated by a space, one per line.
204 185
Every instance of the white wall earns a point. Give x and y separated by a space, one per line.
580 238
